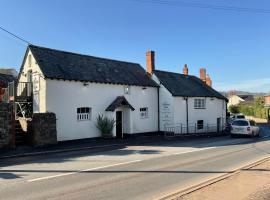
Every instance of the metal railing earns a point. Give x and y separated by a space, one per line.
24 89
180 129
21 89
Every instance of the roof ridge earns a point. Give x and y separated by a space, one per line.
80 54
174 73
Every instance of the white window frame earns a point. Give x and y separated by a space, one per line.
126 89
84 114
144 112
199 103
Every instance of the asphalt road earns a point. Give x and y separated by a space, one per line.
132 172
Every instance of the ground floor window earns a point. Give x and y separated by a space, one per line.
144 112
84 113
199 124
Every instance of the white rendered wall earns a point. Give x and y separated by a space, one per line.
234 100
173 110
64 97
39 97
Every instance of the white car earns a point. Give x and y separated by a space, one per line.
244 127
234 117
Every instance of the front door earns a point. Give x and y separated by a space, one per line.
119 125
218 124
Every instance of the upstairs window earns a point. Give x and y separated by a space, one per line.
126 90
199 103
84 114
144 113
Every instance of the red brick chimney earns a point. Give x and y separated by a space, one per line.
150 61
185 69
208 81
203 74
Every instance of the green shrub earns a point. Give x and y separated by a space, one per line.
234 109
105 125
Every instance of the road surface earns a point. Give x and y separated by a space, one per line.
133 172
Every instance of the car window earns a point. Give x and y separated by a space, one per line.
240 123
240 117
252 123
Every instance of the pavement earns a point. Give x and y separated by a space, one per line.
137 171
95 143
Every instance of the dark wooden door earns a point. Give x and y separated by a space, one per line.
119 125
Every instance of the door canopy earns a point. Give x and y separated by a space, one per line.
120 101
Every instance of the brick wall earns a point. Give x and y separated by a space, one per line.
267 100
7 133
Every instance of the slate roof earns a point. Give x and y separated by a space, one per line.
119 101
247 97
186 85
56 64
5 78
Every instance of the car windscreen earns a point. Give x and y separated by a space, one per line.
240 123
240 117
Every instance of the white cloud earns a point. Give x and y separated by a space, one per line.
256 85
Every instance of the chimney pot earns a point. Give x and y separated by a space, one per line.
185 69
203 74
208 81
150 61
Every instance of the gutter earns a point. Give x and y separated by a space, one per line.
186 98
158 110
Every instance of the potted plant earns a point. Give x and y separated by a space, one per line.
105 125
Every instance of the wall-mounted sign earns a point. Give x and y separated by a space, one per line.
36 82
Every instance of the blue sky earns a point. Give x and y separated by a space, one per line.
232 46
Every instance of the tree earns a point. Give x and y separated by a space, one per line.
234 109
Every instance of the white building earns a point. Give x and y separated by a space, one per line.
235 100
77 88
187 103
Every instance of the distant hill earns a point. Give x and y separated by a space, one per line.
256 94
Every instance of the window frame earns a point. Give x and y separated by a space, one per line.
199 103
144 112
84 114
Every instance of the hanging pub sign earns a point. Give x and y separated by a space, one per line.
36 83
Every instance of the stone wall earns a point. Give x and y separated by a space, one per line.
7 134
43 129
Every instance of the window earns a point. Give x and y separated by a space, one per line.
199 103
126 90
252 123
144 113
199 124
240 123
84 113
